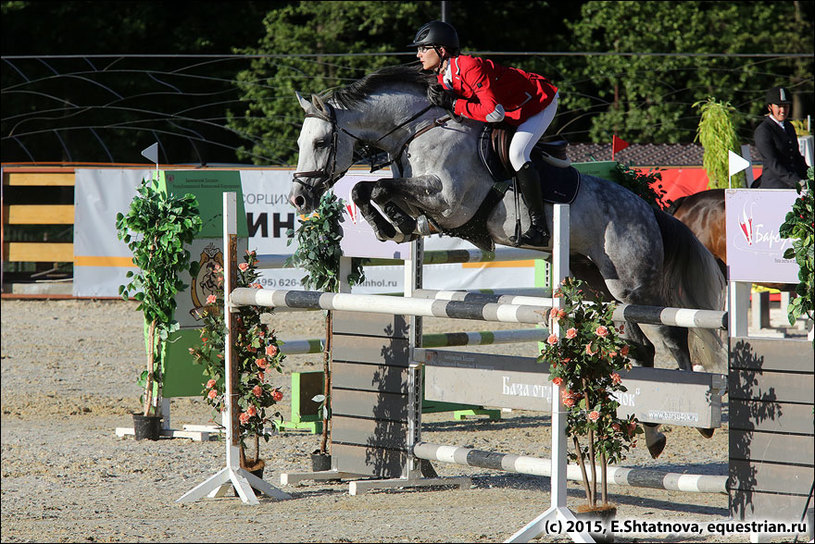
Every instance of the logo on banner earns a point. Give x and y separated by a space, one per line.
746 224
759 234
352 209
207 281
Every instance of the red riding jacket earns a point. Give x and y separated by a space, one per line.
490 92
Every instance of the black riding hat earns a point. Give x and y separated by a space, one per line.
437 33
778 95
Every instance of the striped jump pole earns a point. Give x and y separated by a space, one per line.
536 466
438 340
481 311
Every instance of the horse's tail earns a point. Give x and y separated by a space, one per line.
692 279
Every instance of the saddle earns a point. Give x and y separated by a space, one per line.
559 180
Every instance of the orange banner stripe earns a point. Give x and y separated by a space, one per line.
126 262
501 264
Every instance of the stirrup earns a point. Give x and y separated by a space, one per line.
536 236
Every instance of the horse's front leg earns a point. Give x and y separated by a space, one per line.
401 196
383 227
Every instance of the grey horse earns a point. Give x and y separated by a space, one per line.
642 256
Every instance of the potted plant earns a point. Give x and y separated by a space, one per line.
585 362
156 228
318 253
257 351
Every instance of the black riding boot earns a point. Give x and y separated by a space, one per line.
529 184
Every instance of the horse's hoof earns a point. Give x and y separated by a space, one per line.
656 448
707 433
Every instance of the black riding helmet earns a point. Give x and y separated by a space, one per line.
435 34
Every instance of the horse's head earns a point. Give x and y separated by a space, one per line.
325 154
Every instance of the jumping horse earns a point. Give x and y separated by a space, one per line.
644 256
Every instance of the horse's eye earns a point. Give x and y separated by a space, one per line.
319 144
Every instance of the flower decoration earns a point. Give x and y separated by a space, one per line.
257 351
585 363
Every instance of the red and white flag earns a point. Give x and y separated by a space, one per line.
617 144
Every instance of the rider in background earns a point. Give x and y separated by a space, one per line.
483 90
776 140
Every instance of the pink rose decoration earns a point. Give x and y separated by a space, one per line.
589 351
601 331
557 381
244 267
616 379
594 415
552 340
261 362
624 350
212 394
271 350
252 411
210 384
243 418
277 395
257 391
212 299
261 376
571 333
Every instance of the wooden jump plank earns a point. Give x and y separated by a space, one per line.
368 461
770 416
369 349
50 179
39 215
345 402
773 387
38 252
368 433
771 354
745 505
770 477
771 447
365 324
690 399
366 377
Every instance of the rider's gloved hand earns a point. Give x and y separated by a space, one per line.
441 98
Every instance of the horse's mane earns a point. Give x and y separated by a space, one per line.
400 75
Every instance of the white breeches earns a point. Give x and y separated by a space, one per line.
528 134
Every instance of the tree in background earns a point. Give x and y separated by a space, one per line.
638 97
320 31
717 135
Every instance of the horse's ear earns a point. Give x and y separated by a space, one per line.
305 104
318 103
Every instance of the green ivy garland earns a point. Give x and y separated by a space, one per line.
798 225
318 253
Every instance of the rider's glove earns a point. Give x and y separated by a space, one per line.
441 98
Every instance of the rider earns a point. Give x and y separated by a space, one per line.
484 90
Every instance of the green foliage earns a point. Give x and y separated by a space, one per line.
318 253
798 225
273 116
257 351
318 247
585 361
646 185
155 228
638 95
717 135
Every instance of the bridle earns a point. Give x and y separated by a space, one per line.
326 177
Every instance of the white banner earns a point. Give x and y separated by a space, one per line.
755 250
101 260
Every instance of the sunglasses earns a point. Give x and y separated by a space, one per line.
425 48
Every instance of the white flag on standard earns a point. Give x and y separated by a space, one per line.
736 163
151 153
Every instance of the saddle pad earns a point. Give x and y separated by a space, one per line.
558 185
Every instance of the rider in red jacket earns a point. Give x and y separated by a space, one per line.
484 90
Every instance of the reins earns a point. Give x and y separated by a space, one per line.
327 176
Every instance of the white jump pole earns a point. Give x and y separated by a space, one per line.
557 514
232 475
